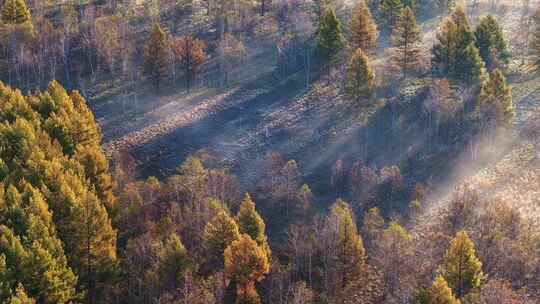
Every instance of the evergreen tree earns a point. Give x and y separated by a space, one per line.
491 43
245 264
496 100
329 37
218 234
15 12
173 260
407 42
363 28
20 297
156 54
445 50
390 11
360 77
455 55
461 268
440 293
250 222
350 255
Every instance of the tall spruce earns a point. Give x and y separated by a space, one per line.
360 80
350 252
251 223
390 11
491 43
330 39
455 55
156 55
407 41
461 268
364 32
218 234
496 100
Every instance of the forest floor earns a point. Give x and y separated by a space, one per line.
256 113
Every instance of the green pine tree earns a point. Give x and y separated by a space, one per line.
156 55
329 37
491 43
350 255
407 40
360 80
461 268
173 260
496 100
218 234
251 223
390 11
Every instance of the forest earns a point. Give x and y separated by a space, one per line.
270 151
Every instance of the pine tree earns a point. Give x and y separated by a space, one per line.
250 222
363 28
350 252
491 43
20 297
407 41
15 12
455 55
461 268
445 51
329 37
390 11
471 68
440 293
218 234
496 100
245 264
156 54
360 77
173 260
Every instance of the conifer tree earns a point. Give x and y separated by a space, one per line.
461 268
245 264
156 54
20 297
440 293
15 12
455 55
491 43
407 42
329 37
218 234
363 28
390 11
360 77
350 255
173 260
496 100
250 222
